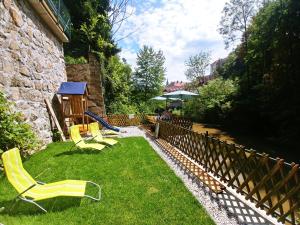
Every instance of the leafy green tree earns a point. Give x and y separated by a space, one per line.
237 15
117 86
271 101
214 101
197 65
91 30
149 74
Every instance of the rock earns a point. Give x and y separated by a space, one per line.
4 80
50 65
7 3
24 71
37 76
29 32
38 68
33 116
8 67
14 45
16 16
25 41
17 81
38 85
28 83
14 94
32 95
15 56
45 87
23 106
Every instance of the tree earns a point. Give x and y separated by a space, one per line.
214 101
91 29
117 84
117 14
237 15
196 66
149 74
271 103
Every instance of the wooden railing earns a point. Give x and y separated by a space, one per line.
272 184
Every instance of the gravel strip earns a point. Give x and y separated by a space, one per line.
224 209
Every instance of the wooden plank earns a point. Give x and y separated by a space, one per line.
63 138
279 185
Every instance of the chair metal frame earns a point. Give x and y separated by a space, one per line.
19 196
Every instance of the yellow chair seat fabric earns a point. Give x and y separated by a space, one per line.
21 180
97 136
80 143
109 132
72 188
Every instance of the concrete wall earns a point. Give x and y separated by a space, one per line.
91 74
31 63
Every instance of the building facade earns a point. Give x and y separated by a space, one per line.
31 59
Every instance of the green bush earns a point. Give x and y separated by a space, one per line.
214 101
121 108
14 131
71 60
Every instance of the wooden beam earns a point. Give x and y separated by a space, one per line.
51 111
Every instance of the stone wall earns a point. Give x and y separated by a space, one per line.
31 63
91 74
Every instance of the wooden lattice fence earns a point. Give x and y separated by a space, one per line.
180 121
124 120
272 184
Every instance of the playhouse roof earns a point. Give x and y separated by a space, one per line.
72 88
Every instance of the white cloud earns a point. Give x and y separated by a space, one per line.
179 28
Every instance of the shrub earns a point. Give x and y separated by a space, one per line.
121 108
71 60
14 131
214 101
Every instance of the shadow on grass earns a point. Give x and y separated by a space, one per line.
16 207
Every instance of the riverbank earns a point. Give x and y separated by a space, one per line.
248 141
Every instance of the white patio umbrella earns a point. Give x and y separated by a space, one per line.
181 94
160 98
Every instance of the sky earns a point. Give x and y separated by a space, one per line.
180 28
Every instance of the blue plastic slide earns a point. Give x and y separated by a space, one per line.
102 121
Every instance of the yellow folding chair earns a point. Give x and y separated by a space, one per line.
97 136
108 132
79 142
31 191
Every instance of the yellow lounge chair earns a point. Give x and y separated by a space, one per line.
97 136
108 132
79 142
31 191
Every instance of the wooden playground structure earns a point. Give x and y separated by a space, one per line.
74 102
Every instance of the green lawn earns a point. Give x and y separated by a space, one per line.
138 188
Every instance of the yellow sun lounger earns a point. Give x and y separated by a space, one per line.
79 142
97 136
31 191
108 132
